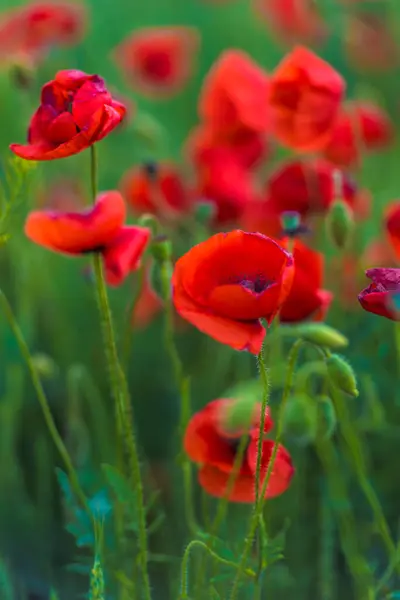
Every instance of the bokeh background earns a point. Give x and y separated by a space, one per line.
54 301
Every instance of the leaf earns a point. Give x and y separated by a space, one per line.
119 485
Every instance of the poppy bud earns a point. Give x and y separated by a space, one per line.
161 248
326 417
44 365
205 212
340 223
22 75
342 375
301 419
238 416
150 221
319 334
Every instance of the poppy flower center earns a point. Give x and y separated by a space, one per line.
157 65
257 285
234 444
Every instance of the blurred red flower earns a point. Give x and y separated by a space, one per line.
361 127
32 29
247 146
378 297
208 443
306 299
234 95
392 224
76 111
369 42
378 252
156 188
223 181
293 21
226 284
158 61
305 97
148 305
98 229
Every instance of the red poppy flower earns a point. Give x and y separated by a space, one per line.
248 147
76 111
369 42
361 126
392 224
235 95
305 97
307 187
97 229
292 21
208 443
157 189
223 181
306 299
32 29
378 297
158 61
225 285
148 305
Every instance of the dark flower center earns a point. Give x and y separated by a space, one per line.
234 444
158 66
257 285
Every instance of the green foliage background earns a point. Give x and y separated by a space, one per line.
56 308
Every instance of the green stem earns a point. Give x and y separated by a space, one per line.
48 417
292 359
261 530
185 564
183 385
122 400
347 527
355 451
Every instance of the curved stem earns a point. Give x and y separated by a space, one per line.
122 400
48 417
292 360
185 564
355 451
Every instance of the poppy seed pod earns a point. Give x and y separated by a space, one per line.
340 223
342 375
239 414
301 419
161 248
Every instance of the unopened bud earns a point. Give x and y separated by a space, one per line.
340 223
327 420
161 248
301 419
321 335
151 222
237 416
342 375
45 365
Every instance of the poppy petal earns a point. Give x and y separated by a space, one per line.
123 254
78 232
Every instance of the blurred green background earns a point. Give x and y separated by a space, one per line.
55 305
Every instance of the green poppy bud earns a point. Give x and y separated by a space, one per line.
239 414
161 248
320 334
342 375
340 223
301 419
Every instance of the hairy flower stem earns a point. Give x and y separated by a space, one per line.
120 392
185 564
292 360
48 417
183 384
